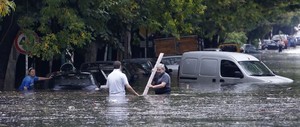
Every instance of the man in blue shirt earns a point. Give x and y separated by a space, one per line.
28 81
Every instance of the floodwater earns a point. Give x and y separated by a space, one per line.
189 105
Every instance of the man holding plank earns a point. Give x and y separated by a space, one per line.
162 81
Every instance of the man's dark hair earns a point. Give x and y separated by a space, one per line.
117 64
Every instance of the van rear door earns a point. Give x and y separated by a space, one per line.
188 69
208 70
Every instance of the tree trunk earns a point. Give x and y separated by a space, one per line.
128 36
9 82
91 54
7 35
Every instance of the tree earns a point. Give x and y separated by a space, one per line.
170 17
57 24
226 16
63 24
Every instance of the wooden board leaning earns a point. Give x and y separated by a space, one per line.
152 74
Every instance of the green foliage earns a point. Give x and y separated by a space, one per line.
227 16
6 7
63 24
58 27
236 37
174 17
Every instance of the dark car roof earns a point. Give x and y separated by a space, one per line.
72 80
100 69
97 65
139 60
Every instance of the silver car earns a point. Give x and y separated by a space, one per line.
172 62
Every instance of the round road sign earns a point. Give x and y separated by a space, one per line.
17 42
19 38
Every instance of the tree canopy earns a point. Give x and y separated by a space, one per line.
63 24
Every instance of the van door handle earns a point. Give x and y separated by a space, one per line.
213 80
221 80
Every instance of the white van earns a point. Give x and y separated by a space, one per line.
225 67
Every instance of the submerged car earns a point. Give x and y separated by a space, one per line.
72 81
68 78
172 63
143 66
225 68
101 69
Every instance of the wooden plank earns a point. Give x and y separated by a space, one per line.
153 73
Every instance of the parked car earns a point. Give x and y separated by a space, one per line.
249 48
292 41
229 47
172 62
297 40
281 39
269 44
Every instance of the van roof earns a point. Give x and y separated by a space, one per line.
233 55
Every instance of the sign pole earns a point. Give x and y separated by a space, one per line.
153 73
26 63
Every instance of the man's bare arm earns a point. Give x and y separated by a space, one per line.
129 88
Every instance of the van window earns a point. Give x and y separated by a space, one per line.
209 67
229 68
189 66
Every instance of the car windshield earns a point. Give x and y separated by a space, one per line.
146 65
171 60
255 68
73 80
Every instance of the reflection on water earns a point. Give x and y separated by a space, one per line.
265 106
117 110
188 105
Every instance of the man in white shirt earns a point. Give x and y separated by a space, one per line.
117 82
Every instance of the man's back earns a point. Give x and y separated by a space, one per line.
116 82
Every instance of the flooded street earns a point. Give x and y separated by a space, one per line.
188 105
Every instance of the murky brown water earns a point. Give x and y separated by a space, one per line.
238 105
